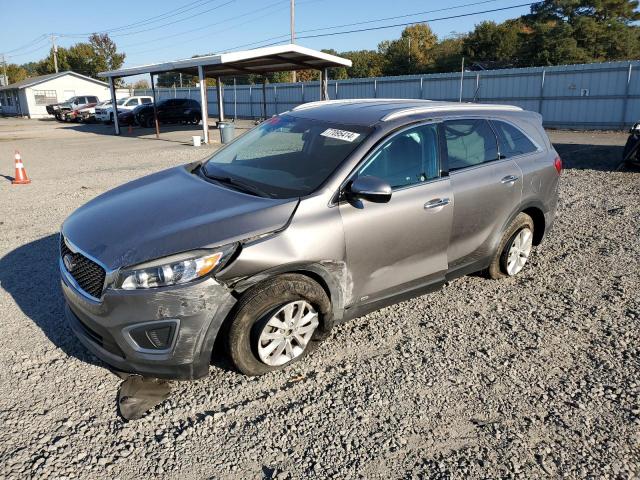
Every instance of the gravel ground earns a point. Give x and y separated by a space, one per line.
533 377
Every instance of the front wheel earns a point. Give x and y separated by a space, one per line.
278 322
514 248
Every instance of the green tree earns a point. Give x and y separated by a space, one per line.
106 52
366 63
16 73
447 54
490 41
411 53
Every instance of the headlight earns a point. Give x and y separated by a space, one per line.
176 269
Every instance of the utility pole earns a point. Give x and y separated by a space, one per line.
293 33
55 52
4 69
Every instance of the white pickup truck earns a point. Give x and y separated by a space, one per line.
105 113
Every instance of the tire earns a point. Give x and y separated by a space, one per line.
148 122
499 267
259 306
195 120
111 118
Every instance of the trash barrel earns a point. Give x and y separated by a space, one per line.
227 131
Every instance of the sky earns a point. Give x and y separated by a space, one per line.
150 31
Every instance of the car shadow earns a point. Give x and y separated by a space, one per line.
604 158
30 275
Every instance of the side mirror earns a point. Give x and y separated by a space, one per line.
369 188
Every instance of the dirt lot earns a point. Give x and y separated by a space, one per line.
533 377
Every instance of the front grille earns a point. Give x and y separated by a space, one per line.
88 274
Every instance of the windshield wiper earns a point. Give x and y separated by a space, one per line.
237 184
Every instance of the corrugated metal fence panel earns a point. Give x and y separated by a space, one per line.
601 95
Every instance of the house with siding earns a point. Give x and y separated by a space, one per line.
30 97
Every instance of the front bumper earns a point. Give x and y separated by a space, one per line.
197 310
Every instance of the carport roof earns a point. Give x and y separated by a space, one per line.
31 81
257 61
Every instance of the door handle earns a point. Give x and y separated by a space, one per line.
436 202
509 180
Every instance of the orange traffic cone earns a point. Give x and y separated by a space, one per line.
130 128
21 174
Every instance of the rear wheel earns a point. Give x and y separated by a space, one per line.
195 120
276 323
514 248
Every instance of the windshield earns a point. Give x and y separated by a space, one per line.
286 156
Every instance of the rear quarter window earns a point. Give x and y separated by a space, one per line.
512 141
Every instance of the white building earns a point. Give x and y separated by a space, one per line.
30 96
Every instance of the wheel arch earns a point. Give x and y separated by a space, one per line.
332 276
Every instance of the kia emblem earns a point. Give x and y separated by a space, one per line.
69 262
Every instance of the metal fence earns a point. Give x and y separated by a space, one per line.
589 96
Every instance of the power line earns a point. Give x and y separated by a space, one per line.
39 39
186 32
157 18
382 27
230 27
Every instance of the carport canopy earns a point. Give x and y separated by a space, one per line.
259 61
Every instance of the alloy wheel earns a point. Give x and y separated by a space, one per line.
519 251
287 333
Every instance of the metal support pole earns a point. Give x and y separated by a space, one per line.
541 92
302 93
220 99
324 84
204 104
293 32
275 99
336 97
476 97
235 100
421 87
626 97
112 89
250 102
264 97
461 79
375 88
155 108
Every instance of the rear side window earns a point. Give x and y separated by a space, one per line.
92 99
469 143
512 140
145 100
132 102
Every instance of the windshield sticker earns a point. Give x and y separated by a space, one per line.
340 134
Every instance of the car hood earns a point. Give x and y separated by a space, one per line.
170 212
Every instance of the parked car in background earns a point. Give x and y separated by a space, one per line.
631 153
105 114
318 215
172 110
88 114
127 117
60 110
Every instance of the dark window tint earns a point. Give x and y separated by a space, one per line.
145 100
408 158
92 99
469 142
512 140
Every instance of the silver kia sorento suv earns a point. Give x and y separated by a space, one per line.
316 216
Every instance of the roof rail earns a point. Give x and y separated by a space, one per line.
449 106
317 103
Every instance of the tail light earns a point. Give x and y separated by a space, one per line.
558 164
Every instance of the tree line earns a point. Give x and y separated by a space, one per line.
555 32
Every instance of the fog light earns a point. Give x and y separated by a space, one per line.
154 336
